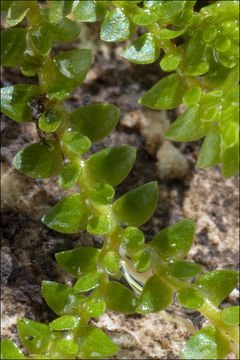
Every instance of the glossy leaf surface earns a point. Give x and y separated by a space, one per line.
71 70
184 269
70 215
10 351
133 238
89 11
15 101
95 344
207 343
189 126
41 39
99 225
111 165
61 299
217 285
34 335
13 44
144 50
141 260
211 149
65 322
76 142
95 121
230 315
116 26
176 240
69 176
39 160
156 296
166 94
96 307
17 12
137 206
190 298
119 298
112 263
102 194
49 121
87 282
64 30
78 261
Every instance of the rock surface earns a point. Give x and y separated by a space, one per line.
28 247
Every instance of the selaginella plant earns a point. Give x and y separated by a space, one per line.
65 141
203 66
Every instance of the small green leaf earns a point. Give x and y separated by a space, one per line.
192 96
133 238
116 26
189 126
67 346
208 343
95 344
141 260
230 153
184 269
170 34
143 50
79 261
64 30
10 351
31 63
89 11
137 206
166 94
156 296
87 282
145 18
17 12
99 225
75 142
175 241
212 98
170 62
190 298
36 337
16 100
39 160
61 299
211 149
230 315
69 215
49 121
69 176
119 298
95 121
41 39
112 262
111 165
217 285
196 63
13 45
96 307
102 194
71 69
59 9
65 322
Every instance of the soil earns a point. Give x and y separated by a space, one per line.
28 247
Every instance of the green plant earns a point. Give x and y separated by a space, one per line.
204 68
66 138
